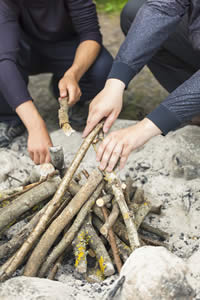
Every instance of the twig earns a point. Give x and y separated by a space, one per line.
55 268
162 234
79 245
63 117
119 196
110 220
102 201
113 242
102 255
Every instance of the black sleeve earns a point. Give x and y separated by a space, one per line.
12 84
85 20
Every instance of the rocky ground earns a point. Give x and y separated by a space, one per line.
167 168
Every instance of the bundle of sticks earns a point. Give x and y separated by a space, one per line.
98 216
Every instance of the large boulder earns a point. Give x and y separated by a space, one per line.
153 273
29 288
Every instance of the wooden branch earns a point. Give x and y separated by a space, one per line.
113 242
156 209
52 207
141 213
27 201
49 237
162 234
10 247
69 236
55 268
79 246
119 228
102 201
63 117
110 220
124 250
139 196
57 156
119 196
102 255
152 242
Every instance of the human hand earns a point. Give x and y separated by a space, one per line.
107 104
68 86
118 145
39 143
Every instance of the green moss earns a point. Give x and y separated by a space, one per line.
111 5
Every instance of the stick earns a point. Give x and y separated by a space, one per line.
113 242
124 250
55 268
27 201
79 245
152 242
53 205
102 201
110 220
119 196
102 255
141 213
69 236
63 117
11 246
162 234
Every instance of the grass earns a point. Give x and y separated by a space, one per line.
111 5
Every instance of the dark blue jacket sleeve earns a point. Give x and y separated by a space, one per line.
12 85
85 20
155 21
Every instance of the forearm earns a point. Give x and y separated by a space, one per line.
85 56
30 116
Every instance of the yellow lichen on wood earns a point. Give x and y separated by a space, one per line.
102 264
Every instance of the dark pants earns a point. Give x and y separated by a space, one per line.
176 61
56 58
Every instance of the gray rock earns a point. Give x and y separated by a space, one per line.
26 288
153 273
194 272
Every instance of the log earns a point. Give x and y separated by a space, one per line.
27 201
119 197
79 246
52 207
162 234
102 255
110 220
104 200
69 236
124 250
38 255
141 213
55 268
112 241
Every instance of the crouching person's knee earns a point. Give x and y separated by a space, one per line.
129 13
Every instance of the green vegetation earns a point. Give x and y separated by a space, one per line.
110 5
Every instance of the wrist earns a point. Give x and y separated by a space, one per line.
150 128
73 72
115 84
